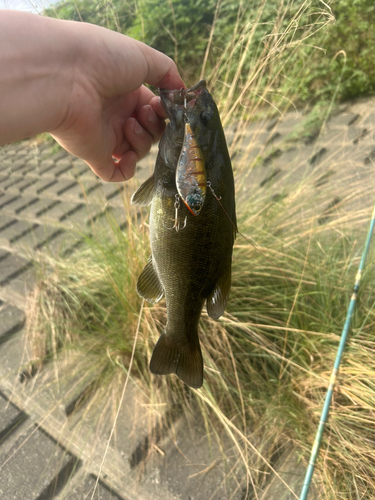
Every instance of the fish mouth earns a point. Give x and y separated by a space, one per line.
182 97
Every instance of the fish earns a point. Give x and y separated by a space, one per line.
192 228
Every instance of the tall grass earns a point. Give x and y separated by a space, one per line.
268 360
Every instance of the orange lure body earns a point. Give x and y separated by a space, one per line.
191 177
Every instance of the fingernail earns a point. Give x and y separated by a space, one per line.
152 117
137 128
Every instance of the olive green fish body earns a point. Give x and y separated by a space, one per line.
191 266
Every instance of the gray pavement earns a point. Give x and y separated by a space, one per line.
48 202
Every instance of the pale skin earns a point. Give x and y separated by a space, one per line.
84 85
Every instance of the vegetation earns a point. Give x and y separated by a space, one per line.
317 60
268 360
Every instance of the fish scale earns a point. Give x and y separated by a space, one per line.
192 265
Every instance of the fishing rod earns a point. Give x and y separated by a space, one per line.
340 350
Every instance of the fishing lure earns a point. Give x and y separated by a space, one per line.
191 178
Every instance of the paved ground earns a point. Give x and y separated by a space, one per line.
48 200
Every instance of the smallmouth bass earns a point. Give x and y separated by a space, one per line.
191 236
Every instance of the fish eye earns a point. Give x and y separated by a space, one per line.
197 207
206 116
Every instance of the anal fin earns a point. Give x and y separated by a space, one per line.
143 196
148 284
218 298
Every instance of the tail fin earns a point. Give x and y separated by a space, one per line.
184 360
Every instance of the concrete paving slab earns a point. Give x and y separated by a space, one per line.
78 191
292 470
12 265
35 468
85 488
45 167
6 221
38 209
59 211
19 285
40 186
20 204
37 238
25 183
15 232
6 199
12 320
192 465
11 418
58 189
11 181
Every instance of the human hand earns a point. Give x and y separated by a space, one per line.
84 85
110 113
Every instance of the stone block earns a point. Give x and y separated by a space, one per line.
15 231
11 181
25 183
10 418
6 199
46 166
37 238
12 320
193 465
40 186
12 265
78 190
35 467
20 204
39 208
6 221
59 211
292 471
58 189
85 489
20 284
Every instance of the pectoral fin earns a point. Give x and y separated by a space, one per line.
218 298
148 284
143 196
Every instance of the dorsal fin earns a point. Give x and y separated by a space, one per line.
143 196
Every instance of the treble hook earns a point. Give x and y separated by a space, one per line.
186 119
208 183
176 224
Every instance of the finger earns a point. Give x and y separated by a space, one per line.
128 57
122 149
140 140
156 105
151 122
120 171
126 166
161 70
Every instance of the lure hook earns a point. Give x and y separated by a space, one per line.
186 119
176 224
212 191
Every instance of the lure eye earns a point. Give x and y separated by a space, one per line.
197 207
